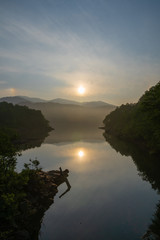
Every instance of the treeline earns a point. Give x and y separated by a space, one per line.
24 122
138 123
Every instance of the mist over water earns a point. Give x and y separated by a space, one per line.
72 117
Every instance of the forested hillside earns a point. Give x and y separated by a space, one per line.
26 123
138 123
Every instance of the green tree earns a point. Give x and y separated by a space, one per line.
138 122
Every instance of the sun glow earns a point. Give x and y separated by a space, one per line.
81 153
81 90
12 91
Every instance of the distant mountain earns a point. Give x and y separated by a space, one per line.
25 99
33 99
86 104
96 104
21 99
14 100
64 101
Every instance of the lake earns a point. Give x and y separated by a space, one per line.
108 198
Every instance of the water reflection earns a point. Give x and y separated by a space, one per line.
107 193
148 167
153 231
68 187
68 135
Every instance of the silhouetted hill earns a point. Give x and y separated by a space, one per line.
33 99
23 99
27 123
14 100
140 122
20 99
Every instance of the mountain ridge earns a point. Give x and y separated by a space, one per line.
23 99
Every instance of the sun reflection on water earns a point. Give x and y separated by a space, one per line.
81 155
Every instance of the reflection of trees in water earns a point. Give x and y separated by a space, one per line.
24 196
31 143
148 167
153 232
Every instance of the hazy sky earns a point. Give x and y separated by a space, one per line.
50 47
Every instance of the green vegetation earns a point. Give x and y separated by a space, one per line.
12 187
138 123
24 122
17 125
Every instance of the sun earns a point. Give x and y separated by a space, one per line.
81 90
80 153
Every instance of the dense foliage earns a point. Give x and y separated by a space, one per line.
17 124
12 185
140 122
27 123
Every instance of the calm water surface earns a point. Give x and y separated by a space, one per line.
107 200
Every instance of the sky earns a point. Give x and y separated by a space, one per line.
48 48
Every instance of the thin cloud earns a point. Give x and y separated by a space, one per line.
2 82
61 56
